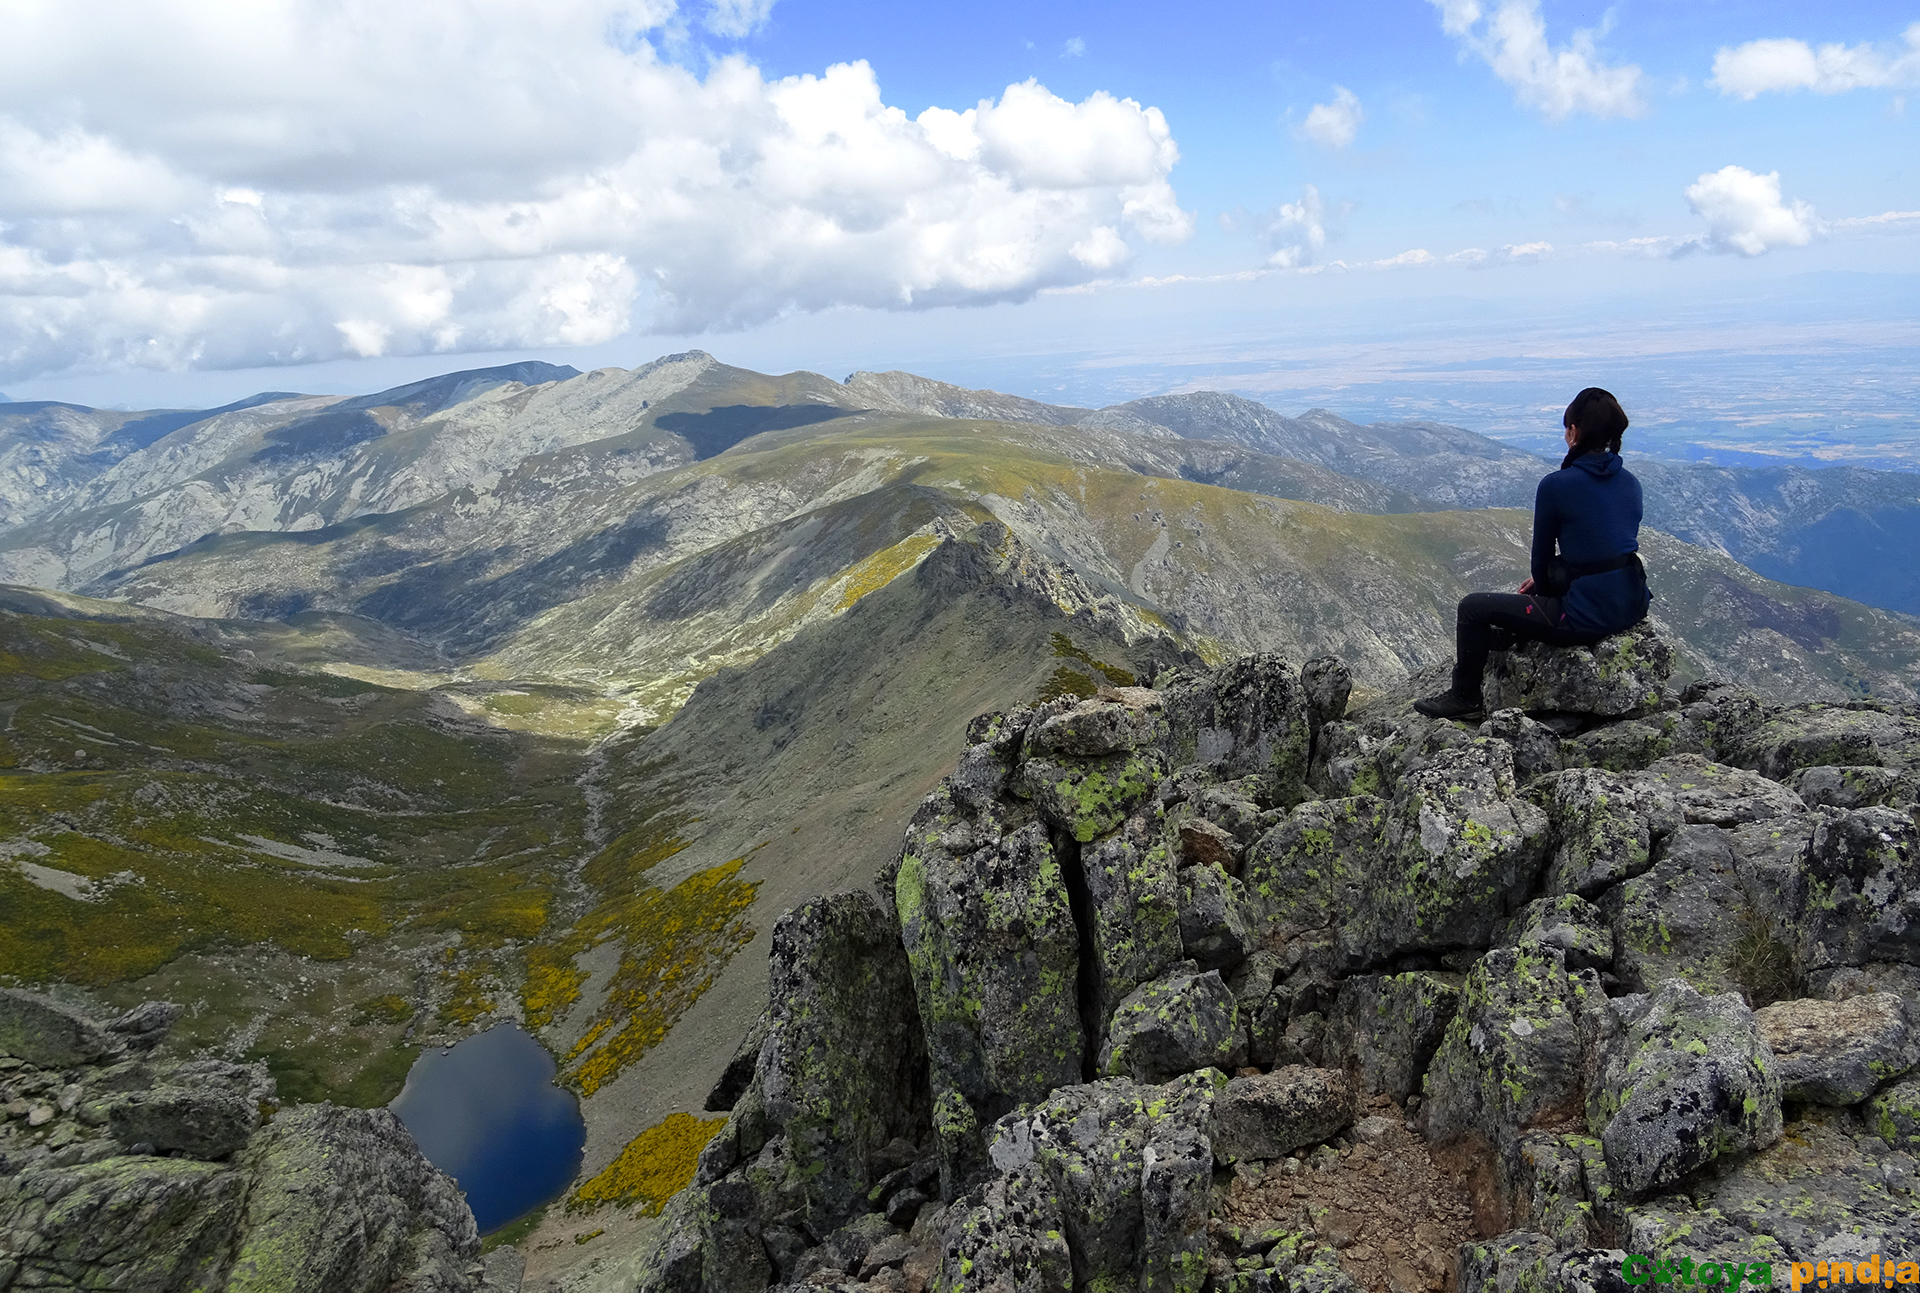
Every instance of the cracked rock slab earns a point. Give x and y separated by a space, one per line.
1839 1052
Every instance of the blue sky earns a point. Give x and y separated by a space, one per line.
200 200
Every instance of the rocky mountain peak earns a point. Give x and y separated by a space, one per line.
900 392
1213 985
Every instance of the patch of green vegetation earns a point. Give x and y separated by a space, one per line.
883 567
207 818
1064 648
1065 681
305 1074
321 684
514 1231
674 943
1761 963
389 1009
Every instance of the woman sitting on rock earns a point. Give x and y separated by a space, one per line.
1593 587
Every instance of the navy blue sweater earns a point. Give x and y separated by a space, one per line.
1592 511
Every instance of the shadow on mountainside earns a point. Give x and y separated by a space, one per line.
718 430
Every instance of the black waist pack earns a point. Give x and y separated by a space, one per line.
1561 573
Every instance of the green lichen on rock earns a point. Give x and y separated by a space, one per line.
842 1073
1623 674
1386 1028
1178 1023
1308 871
1121 1172
1088 797
1461 853
1683 1079
1134 908
1894 1115
1603 827
135 1223
994 953
1513 1058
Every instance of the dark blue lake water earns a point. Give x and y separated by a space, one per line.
487 1113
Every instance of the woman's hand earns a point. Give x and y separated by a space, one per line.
1526 585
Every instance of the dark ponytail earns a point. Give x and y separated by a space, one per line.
1600 420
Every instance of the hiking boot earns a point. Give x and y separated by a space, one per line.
1448 704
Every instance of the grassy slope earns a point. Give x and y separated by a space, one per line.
322 869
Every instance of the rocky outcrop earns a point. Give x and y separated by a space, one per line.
126 1172
1220 987
1620 675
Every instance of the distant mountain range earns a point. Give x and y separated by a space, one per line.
84 492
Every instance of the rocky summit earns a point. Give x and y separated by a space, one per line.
1211 984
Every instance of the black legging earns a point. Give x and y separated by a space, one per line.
1521 614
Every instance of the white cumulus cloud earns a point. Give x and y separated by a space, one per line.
738 17
1761 66
1298 230
1511 38
1745 214
1334 124
312 179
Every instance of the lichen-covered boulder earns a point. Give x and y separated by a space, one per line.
1119 721
1624 674
1308 870
1248 718
994 953
1087 797
1264 1117
146 1025
1213 925
1010 1236
1513 1059
1681 1079
1181 1022
1862 889
198 1121
128 1223
1327 684
1530 1262
44 1032
842 1072
1461 853
837 1099
1568 922
1631 744
1894 1115
1839 1052
1855 787
1603 827
1713 794
343 1202
1134 908
1231 806
1685 917
1827 1189
1384 1028
1562 1189
1123 1174
1811 736
1536 750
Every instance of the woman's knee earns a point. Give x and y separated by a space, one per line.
1475 608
